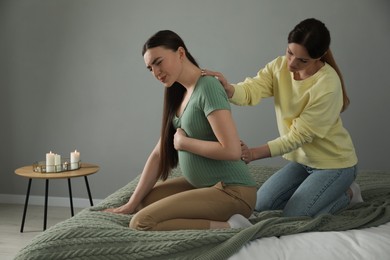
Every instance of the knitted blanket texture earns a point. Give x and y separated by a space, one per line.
93 234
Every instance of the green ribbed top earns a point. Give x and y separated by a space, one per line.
200 171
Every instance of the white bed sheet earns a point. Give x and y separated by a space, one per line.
364 244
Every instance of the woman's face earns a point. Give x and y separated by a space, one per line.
165 64
298 58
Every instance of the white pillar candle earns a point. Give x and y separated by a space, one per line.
74 160
50 162
57 162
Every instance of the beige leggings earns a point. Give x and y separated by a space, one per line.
174 204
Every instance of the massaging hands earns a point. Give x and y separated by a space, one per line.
217 75
229 89
246 154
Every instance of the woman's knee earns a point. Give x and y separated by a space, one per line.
265 202
277 190
142 222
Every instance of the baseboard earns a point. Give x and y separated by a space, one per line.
52 201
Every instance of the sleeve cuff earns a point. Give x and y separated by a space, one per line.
274 147
238 95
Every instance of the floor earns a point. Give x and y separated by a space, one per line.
11 240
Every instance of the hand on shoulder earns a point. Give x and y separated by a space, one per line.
229 89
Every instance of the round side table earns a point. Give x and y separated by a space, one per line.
27 171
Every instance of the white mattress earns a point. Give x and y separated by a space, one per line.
364 244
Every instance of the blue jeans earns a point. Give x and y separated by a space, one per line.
300 190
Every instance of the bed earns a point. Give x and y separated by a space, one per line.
362 231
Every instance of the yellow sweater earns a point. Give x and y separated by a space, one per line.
307 113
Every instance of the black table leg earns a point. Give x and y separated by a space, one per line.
25 205
70 197
89 191
46 195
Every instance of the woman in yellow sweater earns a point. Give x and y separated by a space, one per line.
309 96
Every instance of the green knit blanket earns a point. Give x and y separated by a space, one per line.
93 234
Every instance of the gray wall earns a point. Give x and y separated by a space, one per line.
72 76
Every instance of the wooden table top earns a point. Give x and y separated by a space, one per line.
84 170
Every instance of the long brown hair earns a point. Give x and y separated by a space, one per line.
173 97
315 37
